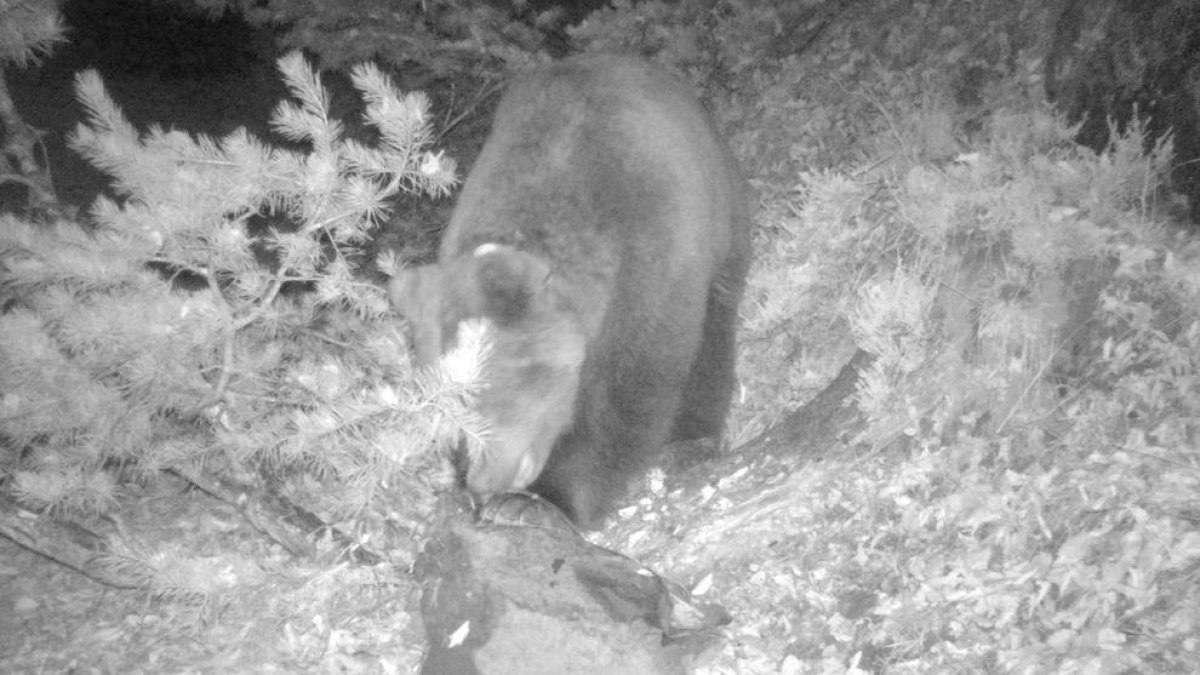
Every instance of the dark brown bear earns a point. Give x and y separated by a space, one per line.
603 234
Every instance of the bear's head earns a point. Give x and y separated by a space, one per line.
531 369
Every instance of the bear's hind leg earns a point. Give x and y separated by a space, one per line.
712 378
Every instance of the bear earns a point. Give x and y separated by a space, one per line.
603 238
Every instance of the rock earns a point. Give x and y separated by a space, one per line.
519 591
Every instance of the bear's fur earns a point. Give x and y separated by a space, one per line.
603 234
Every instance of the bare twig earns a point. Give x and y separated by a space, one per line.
20 145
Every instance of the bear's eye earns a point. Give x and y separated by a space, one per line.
505 288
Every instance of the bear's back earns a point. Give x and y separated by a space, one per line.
593 144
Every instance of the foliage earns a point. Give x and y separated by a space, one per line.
1007 337
28 29
856 94
1026 496
443 37
180 332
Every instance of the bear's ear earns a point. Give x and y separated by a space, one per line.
508 281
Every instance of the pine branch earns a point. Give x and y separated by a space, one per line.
66 543
164 342
29 29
